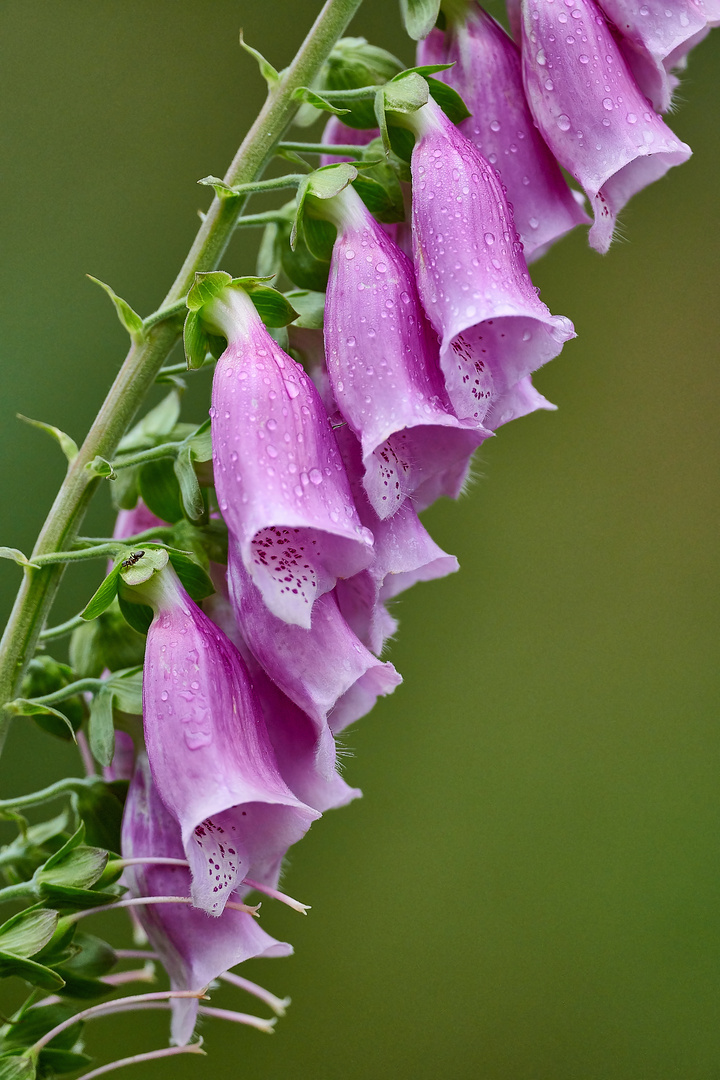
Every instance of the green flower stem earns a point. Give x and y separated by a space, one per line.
183 369
165 450
52 633
22 891
258 186
145 358
270 217
164 313
70 785
65 692
160 532
101 551
358 93
322 148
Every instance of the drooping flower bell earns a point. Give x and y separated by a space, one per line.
487 74
192 948
280 482
383 365
589 109
304 747
325 670
209 751
471 274
656 36
405 553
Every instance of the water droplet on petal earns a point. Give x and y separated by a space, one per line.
563 122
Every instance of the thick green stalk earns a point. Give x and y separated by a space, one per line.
144 360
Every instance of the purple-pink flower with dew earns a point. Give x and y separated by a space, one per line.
471 274
589 109
304 747
193 948
488 76
383 364
209 751
325 670
281 485
405 553
656 36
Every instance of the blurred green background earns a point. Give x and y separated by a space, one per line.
529 889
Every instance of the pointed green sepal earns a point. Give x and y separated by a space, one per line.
268 72
25 707
102 468
311 308
129 318
354 63
194 579
449 100
15 556
324 183
32 972
140 567
310 97
101 729
221 189
67 445
17 1067
138 616
103 596
419 16
206 287
28 932
52 1062
273 308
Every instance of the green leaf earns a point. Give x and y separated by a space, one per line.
68 896
190 493
37 1021
273 308
23 707
419 16
53 1062
32 972
160 490
309 97
159 421
103 596
139 616
194 578
222 190
28 932
67 445
449 100
100 808
195 341
78 868
127 690
101 730
311 308
129 318
100 467
267 71
94 959
207 286
151 560
201 442
15 556
17 1067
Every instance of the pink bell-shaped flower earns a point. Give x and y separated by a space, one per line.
656 36
488 76
471 274
382 361
304 746
325 670
281 486
209 751
193 948
589 109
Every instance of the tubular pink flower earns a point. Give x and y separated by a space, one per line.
325 670
405 553
488 76
382 361
304 747
589 109
655 37
471 274
193 948
209 750
280 481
